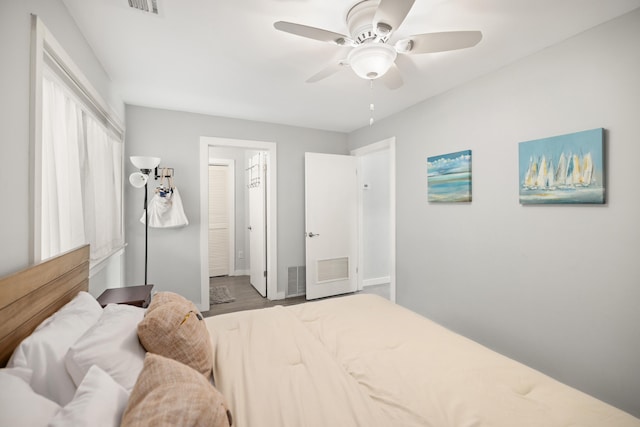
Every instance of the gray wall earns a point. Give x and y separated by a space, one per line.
15 42
556 287
174 254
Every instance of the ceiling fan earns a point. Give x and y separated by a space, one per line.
371 24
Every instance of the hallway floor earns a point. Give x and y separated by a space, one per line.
247 298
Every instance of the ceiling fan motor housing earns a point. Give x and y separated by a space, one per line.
360 22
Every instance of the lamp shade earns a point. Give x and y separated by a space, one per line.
371 60
145 162
138 179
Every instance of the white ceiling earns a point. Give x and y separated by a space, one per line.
225 58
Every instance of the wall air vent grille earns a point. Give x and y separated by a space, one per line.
150 6
297 281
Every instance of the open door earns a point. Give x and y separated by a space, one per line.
256 174
330 224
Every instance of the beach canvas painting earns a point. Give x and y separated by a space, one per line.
449 177
563 169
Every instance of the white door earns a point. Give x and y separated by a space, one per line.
218 221
256 173
330 224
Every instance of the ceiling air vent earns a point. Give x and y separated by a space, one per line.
150 6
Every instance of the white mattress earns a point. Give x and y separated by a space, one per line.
363 361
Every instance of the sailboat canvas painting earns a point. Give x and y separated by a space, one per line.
449 177
563 169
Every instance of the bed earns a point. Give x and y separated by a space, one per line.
356 360
362 361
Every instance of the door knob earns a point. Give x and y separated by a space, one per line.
249 228
312 234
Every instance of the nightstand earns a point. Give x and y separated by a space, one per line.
140 296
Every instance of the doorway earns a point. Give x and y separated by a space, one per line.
270 186
377 218
229 264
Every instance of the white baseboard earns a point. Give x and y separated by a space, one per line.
376 281
241 273
279 295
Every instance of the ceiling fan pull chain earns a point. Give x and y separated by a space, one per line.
371 105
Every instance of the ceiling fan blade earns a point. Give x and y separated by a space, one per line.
392 78
438 42
313 33
391 13
327 71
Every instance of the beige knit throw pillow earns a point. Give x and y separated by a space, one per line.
168 393
177 331
164 297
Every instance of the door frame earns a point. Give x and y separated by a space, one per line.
272 212
231 207
390 144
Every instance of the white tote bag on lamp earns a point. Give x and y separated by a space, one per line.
166 211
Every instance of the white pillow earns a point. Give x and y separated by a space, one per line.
24 374
99 401
112 344
19 404
44 350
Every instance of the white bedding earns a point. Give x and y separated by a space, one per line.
363 361
89 340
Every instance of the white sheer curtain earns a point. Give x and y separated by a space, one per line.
62 224
104 190
81 178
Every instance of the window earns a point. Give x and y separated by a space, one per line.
78 157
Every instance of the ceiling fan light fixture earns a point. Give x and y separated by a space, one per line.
371 60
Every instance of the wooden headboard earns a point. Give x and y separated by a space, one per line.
33 294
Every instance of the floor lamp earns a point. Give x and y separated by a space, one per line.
139 180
